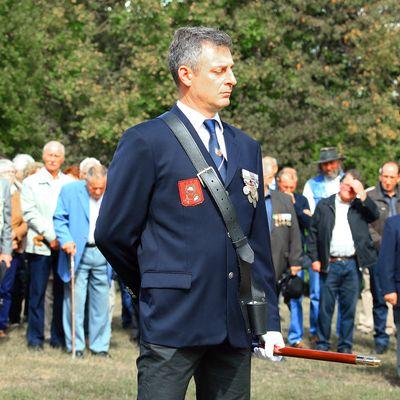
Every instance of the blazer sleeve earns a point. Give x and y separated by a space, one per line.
387 260
125 206
61 219
300 205
263 269
6 233
369 209
295 247
312 239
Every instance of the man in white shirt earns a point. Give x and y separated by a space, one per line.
38 201
339 245
74 222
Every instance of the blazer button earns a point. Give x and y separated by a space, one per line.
230 275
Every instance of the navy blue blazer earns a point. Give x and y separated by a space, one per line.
389 257
177 256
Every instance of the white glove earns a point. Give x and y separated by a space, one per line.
270 339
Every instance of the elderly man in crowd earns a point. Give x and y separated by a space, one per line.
374 313
287 183
339 244
270 167
19 291
39 199
5 249
283 227
19 229
74 221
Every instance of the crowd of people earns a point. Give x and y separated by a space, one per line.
329 236
47 217
334 232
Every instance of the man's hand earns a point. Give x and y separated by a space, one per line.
316 266
291 196
359 189
69 248
270 340
294 270
38 240
54 244
391 298
6 258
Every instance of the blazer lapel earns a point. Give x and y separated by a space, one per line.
84 199
232 151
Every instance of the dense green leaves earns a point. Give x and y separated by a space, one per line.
310 73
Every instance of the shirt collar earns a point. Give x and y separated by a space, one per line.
385 194
47 177
340 201
195 117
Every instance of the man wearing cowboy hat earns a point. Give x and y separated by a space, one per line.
325 184
327 181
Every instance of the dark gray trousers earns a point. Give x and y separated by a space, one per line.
221 372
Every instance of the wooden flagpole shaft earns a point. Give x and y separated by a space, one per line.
327 356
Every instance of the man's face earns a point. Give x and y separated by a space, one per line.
213 81
53 159
96 187
389 177
331 168
346 191
286 185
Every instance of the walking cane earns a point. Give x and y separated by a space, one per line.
72 262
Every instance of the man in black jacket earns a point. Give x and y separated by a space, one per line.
339 245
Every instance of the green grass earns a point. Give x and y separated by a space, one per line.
52 374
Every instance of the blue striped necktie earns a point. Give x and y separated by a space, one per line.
214 149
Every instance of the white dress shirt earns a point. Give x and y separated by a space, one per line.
197 120
342 244
94 208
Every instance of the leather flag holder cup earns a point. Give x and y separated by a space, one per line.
252 297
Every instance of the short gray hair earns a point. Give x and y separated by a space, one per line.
186 46
87 163
21 161
96 172
54 143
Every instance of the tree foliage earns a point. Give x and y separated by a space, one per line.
311 73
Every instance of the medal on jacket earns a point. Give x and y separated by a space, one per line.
282 219
250 188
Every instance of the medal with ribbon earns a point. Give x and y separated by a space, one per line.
250 188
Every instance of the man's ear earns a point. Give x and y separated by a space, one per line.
185 74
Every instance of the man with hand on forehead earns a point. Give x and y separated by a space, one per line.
162 232
339 246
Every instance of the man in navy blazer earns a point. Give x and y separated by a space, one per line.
162 233
388 269
74 222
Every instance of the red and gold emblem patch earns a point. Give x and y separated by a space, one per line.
190 192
